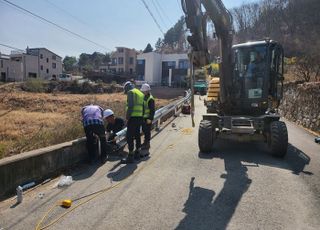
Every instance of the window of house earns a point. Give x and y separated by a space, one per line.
130 70
131 60
54 65
114 61
53 57
47 60
120 70
47 70
183 64
41 67
41 56
1 63
120 50
120 60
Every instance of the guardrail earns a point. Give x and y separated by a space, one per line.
159 115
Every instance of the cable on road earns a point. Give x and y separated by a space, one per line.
97 193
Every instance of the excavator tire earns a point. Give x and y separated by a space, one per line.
278 139
205 136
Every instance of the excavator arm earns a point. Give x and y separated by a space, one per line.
196 22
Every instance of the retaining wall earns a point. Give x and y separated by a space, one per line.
301 104
39 164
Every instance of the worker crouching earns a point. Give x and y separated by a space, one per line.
92 120
134 116
149 111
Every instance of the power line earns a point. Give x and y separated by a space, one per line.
154 19
55 24
164 12
161 18
10 47
79 20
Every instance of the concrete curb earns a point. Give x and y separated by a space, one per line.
39 164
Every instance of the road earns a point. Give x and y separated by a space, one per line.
237 186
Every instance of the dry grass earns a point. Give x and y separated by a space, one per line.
34 120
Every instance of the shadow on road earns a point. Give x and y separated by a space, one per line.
204 213
122 172
257 153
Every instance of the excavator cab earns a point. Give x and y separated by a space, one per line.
257 77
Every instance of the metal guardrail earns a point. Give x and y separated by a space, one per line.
159 115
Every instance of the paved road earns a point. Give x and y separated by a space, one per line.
238 186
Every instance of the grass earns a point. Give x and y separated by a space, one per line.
33 120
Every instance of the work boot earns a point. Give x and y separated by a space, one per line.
104 158
137 154
145 146
144 154
129 159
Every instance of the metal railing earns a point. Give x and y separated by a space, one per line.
172 108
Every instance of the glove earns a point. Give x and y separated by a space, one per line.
149 122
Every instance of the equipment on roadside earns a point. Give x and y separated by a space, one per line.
244 101
186 109
317 140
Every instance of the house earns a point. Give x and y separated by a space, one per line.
4 67
49 63
162 69
39 63
123 60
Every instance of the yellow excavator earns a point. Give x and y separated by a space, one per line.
243 102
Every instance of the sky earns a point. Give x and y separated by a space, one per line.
109 23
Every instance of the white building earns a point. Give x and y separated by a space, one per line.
162 69
38 63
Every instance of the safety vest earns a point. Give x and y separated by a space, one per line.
146 107
138 103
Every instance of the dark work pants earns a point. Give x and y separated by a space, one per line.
98 130
146 129
133 132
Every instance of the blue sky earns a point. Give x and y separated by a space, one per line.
110 23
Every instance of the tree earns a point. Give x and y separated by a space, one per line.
175 36
148 49
159 44
69 63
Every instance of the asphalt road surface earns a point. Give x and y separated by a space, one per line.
237 186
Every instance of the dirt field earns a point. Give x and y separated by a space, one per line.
33 120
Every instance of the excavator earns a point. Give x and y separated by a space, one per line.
242 104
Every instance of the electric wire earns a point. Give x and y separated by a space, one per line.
11 47
55 24
158 12
153 17
164 12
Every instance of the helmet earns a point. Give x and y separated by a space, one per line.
128 86
107 113
145 87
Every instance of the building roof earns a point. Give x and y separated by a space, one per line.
42 48
4 56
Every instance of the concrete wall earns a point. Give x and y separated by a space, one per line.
301 104
39 164
4 67
46 59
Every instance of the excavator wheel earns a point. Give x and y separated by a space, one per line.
205 136
278 139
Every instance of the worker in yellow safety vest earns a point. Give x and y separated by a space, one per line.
149 111
134 117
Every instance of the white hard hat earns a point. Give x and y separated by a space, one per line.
107 113
145 87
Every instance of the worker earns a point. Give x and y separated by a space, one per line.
134 117
114 124
149 110
92 120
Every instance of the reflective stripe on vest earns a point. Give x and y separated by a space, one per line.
146 107
138 103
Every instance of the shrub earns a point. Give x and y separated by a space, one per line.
34 85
